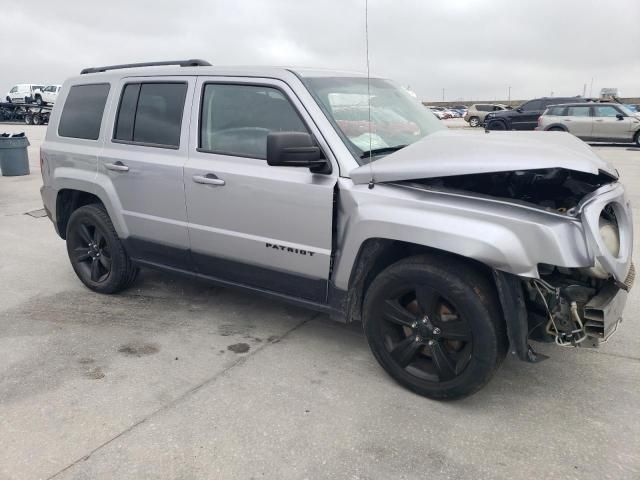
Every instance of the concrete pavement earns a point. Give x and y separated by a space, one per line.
179 379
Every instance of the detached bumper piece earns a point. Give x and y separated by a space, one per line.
603 313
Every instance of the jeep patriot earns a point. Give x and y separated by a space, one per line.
343 194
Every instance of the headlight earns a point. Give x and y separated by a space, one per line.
610 235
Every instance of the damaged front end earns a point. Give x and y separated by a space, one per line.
569 305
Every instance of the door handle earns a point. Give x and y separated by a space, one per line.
116 167
208 179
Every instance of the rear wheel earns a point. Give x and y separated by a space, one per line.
474 121
37 120
28 119
637 138
96 253
435 326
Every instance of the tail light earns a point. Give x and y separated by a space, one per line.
540 120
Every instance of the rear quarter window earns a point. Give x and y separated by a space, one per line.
82 112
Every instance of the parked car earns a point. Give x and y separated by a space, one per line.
22 93
525 117
452 249
476 114
597 122
634 107
437 111
47 95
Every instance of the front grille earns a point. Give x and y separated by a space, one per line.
631 276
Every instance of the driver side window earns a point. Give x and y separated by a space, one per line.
236 119
532 106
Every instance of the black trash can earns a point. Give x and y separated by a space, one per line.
14 159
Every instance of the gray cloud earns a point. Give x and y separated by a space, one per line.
472 48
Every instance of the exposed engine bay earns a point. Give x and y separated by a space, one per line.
555 189
562 307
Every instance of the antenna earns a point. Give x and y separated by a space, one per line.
366 34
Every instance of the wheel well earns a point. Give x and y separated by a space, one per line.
376 254
556 126
69 201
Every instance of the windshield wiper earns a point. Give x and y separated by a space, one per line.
378 151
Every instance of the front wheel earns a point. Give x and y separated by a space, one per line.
496 125
637 138
96 253
474 121
435 326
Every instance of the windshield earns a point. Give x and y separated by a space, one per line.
396 120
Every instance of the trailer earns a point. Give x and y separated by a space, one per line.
30 113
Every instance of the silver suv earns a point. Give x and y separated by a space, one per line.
596 122
476 114
346 196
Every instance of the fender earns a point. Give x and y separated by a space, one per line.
90 182
503 236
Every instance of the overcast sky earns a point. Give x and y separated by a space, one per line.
474 49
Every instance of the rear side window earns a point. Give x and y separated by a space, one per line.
236 119
578 111
557 111
151 114
483 108
82 112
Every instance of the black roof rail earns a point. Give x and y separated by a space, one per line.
182 63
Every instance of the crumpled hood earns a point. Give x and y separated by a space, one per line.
450 152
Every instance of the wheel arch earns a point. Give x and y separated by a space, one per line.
556 125
73 195
376 254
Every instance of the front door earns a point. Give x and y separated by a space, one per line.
526 117
611 124
144 158
250 223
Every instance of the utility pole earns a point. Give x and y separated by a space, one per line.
509 94
591 89
443 94
584 91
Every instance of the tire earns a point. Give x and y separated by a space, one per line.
474 121
434 324
496 125
96 253
636 139
28 119
37 120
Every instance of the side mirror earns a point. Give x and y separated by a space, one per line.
519 110
620 116
295 149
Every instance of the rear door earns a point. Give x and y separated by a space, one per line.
609 126
263 226
144 159
579 121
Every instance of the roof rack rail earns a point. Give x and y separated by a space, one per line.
183 63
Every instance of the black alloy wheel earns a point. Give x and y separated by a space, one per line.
435 326
95 251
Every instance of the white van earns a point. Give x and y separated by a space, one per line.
23 93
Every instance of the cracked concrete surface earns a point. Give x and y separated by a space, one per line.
179 379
